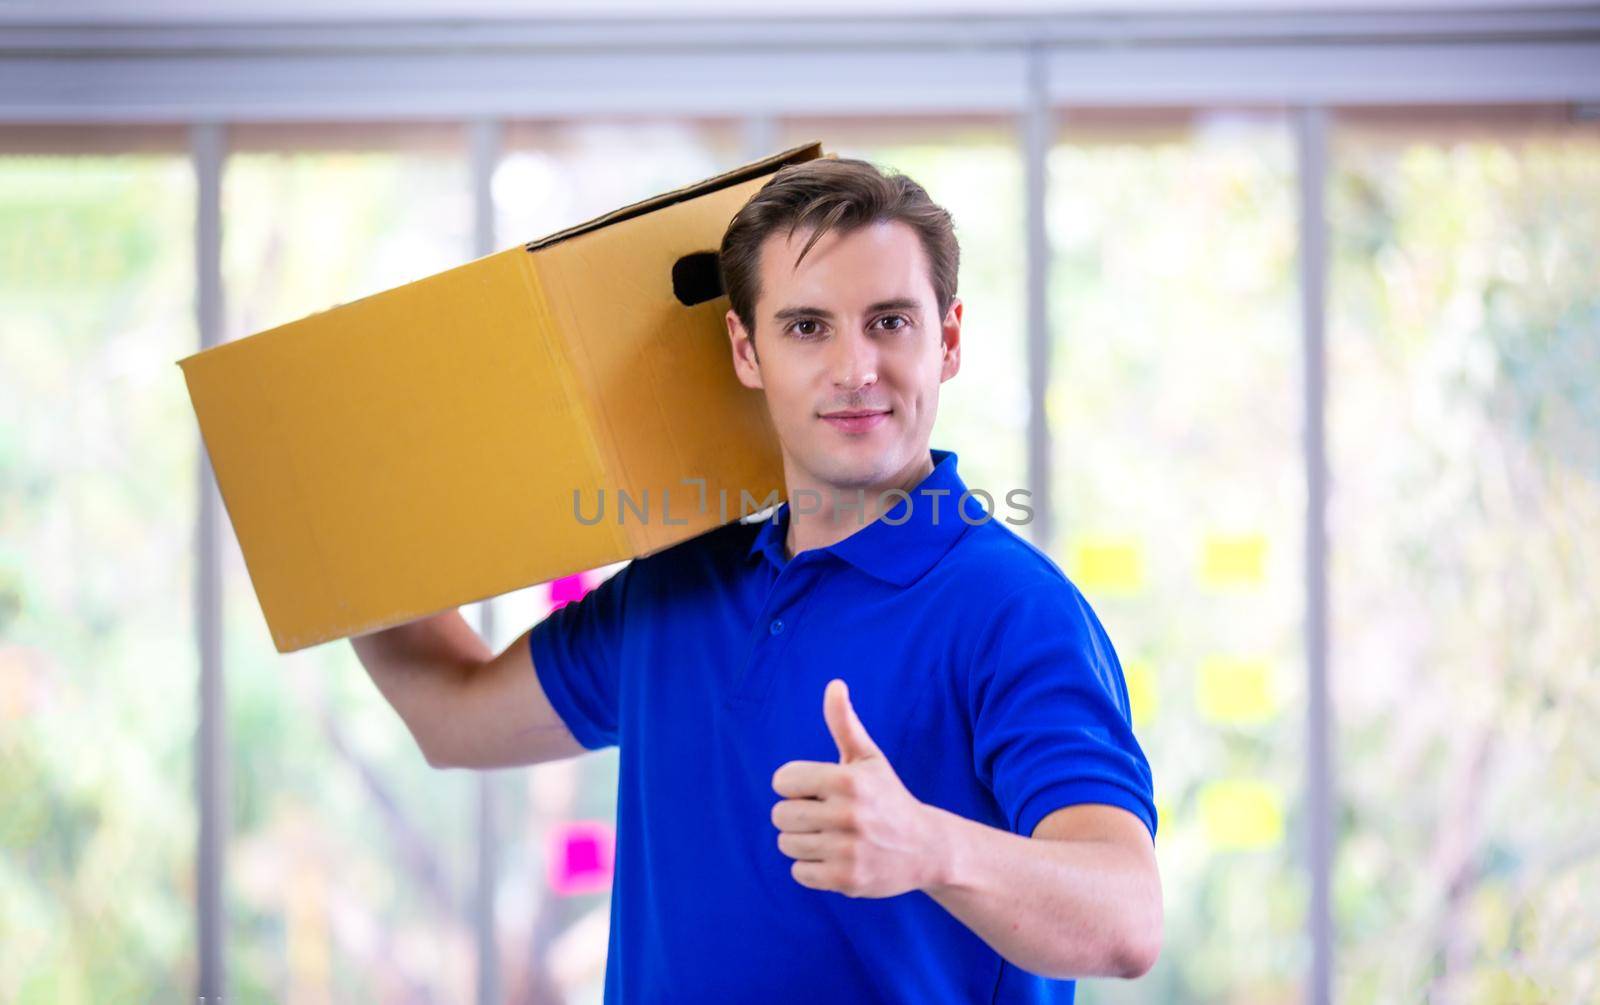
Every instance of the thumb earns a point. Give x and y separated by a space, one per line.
849 735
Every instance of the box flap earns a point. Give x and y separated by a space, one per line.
767 165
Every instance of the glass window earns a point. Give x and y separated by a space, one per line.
553 175
349 861
97 515
1174 405
1464 347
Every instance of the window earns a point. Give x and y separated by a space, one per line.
1462 351
1464 431
349 859
97 516
1175 415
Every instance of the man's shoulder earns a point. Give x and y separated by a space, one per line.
1005 582
1002 562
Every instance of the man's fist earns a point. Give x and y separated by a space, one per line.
852 827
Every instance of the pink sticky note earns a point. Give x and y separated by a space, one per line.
568 588
578 856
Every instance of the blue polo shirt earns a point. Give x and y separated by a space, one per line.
972 661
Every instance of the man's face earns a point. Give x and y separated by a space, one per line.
854 330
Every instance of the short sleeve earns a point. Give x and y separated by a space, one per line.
1049 711
577 655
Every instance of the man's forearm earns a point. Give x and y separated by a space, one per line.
413 664
1061 909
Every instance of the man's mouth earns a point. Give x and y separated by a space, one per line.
856 420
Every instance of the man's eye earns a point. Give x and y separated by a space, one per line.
795 327
904 321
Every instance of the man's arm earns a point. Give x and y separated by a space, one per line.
1081 898
465 706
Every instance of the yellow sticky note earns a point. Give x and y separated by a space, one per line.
1235 690
1108 565
1233 560
1241 813
1142 692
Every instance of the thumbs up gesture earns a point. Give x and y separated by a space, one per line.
852 827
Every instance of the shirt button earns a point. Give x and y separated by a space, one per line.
776 626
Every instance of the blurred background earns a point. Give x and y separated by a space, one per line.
1288 317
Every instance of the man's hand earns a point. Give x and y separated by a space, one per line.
852 827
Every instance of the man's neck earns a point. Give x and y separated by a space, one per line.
843 511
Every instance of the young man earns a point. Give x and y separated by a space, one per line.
875 748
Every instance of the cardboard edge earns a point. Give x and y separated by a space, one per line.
766 165
794 155
281 643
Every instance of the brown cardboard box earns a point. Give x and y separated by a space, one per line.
450 440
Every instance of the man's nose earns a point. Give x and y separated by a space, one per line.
855 361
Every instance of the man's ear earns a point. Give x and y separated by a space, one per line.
950 335
746 364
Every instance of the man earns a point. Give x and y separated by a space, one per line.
875 748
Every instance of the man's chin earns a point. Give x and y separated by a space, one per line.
848 473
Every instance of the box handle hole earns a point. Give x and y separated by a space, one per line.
696 278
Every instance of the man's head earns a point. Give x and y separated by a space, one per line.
842 281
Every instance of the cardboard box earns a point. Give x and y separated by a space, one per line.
435 444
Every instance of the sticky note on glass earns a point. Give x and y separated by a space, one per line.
1234 690
1241 813
1108 565
579 856
1141 690
1229 561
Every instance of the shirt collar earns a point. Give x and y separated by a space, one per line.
905 542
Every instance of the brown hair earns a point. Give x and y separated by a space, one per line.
840 194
